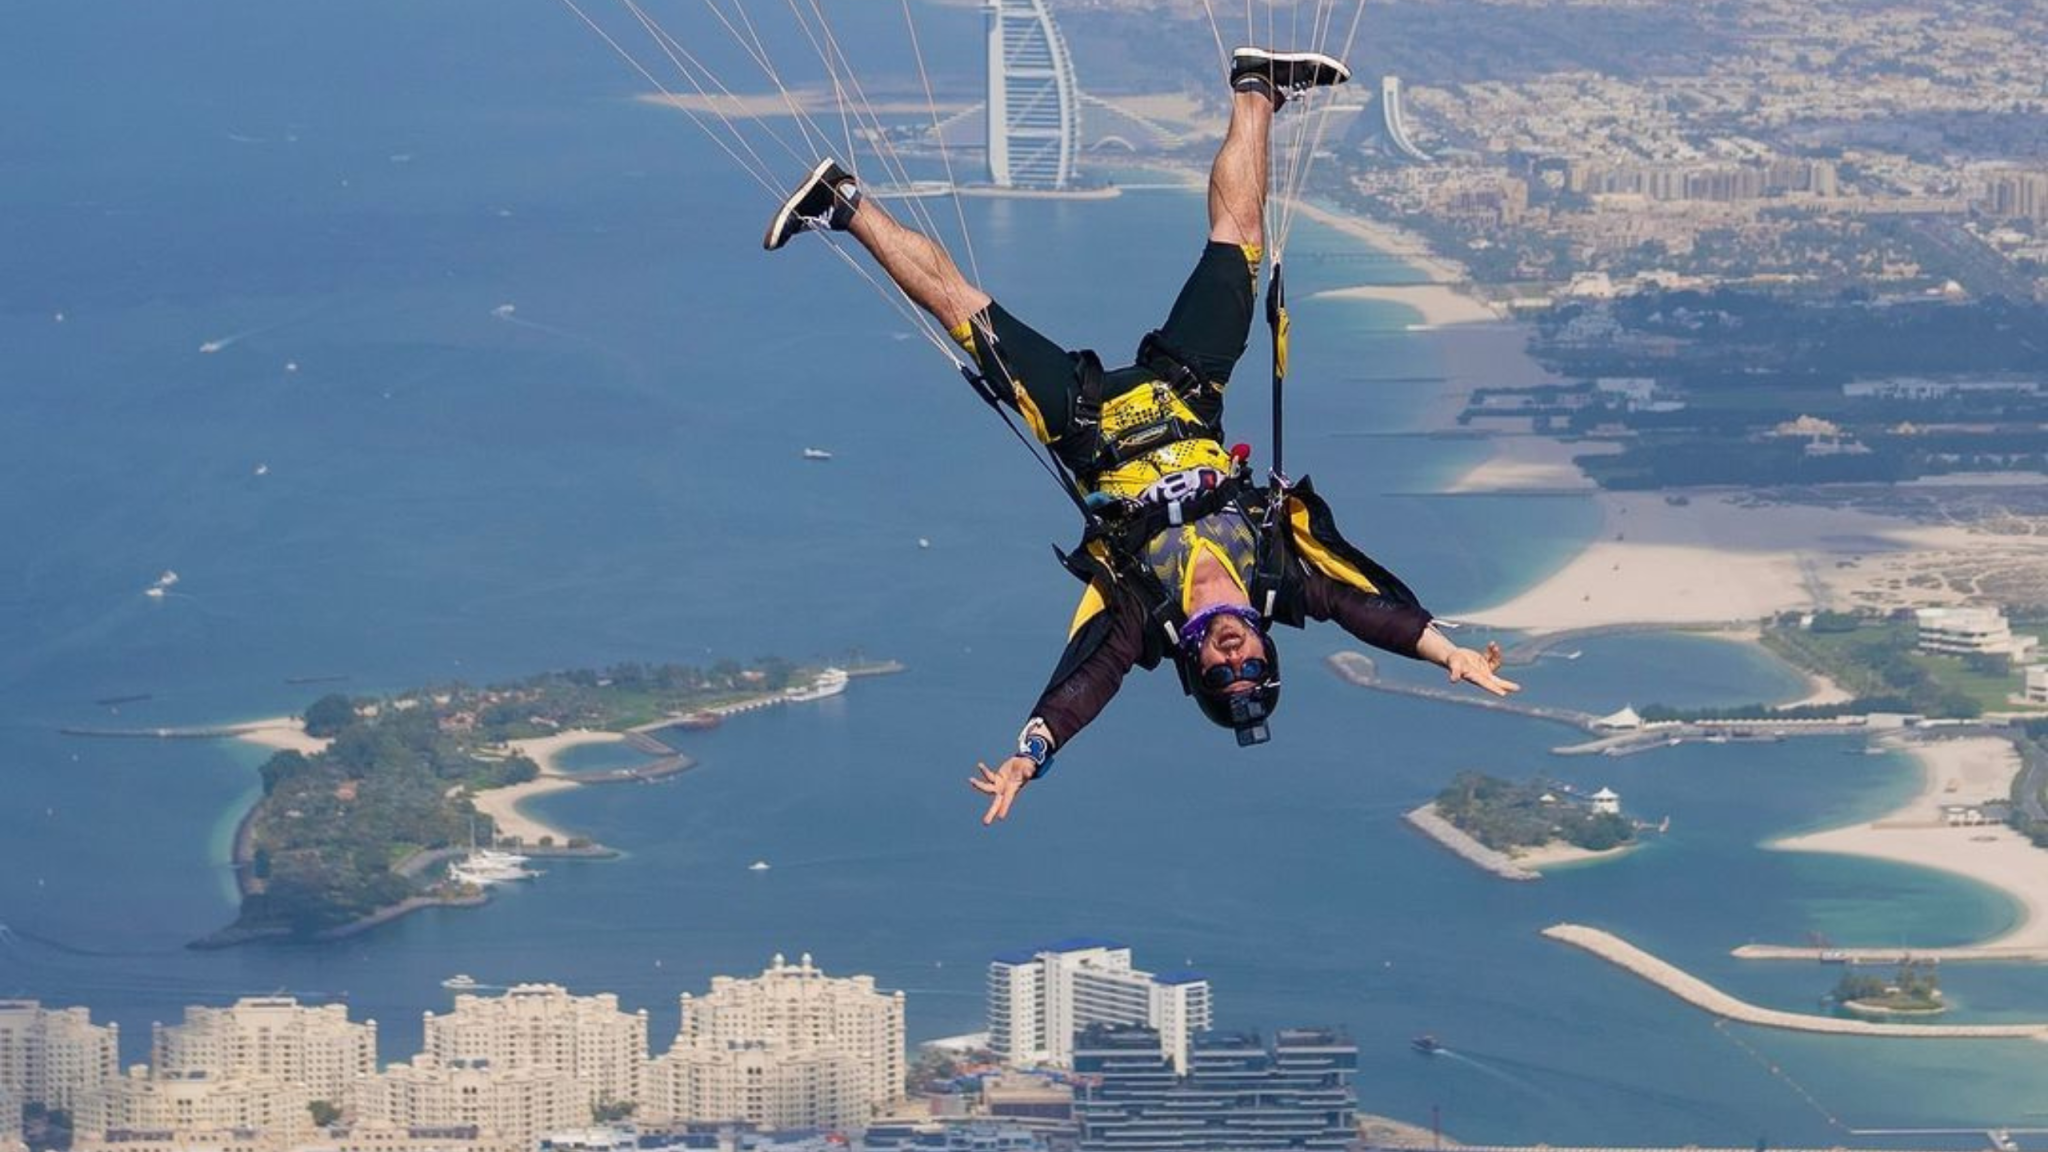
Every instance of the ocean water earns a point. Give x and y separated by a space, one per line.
344 199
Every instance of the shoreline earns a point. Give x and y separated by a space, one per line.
1720 558
1957 772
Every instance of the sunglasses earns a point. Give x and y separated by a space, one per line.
1218 677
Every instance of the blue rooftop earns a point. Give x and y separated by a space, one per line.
1182 977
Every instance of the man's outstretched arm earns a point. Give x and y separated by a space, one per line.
1403 629
1098 656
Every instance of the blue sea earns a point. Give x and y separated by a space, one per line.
383 474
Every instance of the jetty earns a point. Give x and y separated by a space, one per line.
196 732
1359 669
1426 820
1706 997
2010 954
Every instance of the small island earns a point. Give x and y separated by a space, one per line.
1914 991
360 821
1514 830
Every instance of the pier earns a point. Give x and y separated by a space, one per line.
199 732
1705 996
2016 954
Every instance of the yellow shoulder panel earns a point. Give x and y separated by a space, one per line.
1320 557
1093 601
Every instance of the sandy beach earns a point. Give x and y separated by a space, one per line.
1719 558
502 805
1560 854
1395 241
1440 305
283 733
1964 771
1525 463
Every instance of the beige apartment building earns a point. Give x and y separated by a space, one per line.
494 1105
193 1109
542 1027
790 1048
54 1056
274 1037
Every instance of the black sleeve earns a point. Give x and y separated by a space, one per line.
1092 669
1390 625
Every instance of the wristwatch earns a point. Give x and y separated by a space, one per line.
1034 743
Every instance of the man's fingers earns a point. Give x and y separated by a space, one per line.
1493 656
994 813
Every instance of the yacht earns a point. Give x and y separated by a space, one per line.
830 682
461 982
1426 1044
816 454
758 866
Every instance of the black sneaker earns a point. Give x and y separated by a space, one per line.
1283 74
825 200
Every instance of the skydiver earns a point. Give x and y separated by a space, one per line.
1187 560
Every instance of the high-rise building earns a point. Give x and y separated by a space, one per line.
1237 1096
506 1104
790 1048
1034 103
270 1036
55 1056
1394 121
541 1026
1038 998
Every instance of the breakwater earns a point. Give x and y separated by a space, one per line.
1705 996
1426 820
1358 668
2016 954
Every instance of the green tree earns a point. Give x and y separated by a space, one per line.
329 715
612 1111
325 1114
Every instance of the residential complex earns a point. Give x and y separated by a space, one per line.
541 1026
316 1048
55 1057
1038 998
789 1048
792 1048
1238 1095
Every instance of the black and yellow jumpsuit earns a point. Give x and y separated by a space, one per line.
1208 328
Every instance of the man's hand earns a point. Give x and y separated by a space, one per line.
1480 668
1001 785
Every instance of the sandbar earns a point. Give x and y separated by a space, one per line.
283 733
1956 772
1524 463
1719 558
1440 305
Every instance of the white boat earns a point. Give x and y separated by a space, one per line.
154 593
816 454
758 866
461 981
167 579
486 867
830 682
